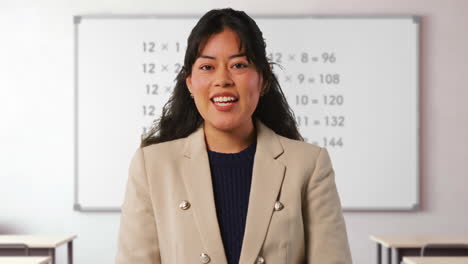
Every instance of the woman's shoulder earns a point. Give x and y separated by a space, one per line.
289 145
164 149
299 146
304 156
301 154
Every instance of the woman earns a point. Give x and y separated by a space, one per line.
224 176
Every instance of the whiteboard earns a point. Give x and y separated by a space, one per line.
352 82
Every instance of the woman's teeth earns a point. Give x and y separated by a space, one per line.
223 101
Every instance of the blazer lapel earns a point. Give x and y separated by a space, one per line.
267 177
197 178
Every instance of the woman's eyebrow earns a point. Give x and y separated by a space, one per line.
230 57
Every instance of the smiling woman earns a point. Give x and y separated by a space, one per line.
224 176
226 88
225 53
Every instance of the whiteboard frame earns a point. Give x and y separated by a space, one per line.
416 19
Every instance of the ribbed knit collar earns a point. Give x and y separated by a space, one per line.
245 155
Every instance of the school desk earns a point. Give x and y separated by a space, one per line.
435 260
411 246
25 260
30 245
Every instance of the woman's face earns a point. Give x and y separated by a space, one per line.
225 87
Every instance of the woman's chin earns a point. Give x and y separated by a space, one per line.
225 125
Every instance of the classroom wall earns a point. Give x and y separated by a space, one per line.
36 113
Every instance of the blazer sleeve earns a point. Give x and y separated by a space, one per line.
138 238
325 229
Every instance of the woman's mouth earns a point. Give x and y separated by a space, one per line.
224 103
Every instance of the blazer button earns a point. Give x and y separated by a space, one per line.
204 258
260 260
184 205
278 206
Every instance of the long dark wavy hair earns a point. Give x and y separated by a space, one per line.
180 116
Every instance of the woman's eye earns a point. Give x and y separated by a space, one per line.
204 67
240 65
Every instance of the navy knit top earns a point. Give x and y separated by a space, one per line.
231 176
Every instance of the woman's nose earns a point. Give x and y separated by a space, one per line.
223 77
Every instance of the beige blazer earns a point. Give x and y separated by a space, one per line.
169 215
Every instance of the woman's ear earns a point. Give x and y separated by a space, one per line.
188 82
264 87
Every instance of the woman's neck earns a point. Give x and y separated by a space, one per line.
229 141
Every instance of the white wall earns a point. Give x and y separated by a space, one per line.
36 113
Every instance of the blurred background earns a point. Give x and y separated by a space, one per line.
37 111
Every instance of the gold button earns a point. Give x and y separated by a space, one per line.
184 205
260 260
204 258
278 206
